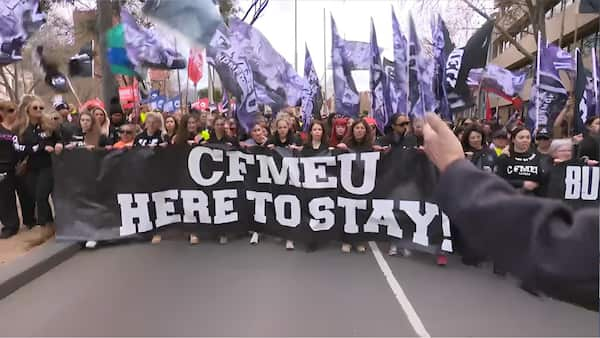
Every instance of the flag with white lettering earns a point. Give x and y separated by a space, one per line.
399 83
235 74
420 76
377 84
442 47
275 77
346 96
461 61
312 98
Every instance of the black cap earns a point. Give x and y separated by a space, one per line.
500 133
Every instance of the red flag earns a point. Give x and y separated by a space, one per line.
195 65
488 108
201 104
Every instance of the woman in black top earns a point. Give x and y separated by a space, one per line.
522 167
358 140
187 132
89 136
171 127
40 139
153 135
476 149
9 148
284 136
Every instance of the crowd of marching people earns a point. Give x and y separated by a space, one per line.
31 131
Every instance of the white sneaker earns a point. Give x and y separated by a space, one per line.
361 248
194 239
346 248
289 245
406 253
223 240
156 239
393 250
254 238
90 244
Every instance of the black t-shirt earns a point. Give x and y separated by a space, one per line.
519 168
143 139
9 147
35 140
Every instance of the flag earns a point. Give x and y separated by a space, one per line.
224 103
399 83
461 61
196 65
420 75
146 49
549 96
377 84
197 20
347 99
116 54
312 98
235 74
582 98
589 6
442 47
276 81
496 78
49 71
171 105
82 63
18 21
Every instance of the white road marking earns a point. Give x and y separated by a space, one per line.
411 314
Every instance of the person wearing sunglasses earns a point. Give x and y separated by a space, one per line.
126 136
40 138
9 149
399 136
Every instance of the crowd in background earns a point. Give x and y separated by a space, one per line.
31 131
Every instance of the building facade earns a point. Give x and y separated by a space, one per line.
564 25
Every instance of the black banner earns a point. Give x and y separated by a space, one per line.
214 190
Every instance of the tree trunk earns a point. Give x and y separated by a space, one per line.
109 85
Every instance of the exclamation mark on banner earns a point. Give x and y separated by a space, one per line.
447 242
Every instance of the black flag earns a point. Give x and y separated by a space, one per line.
581 97
461 61
589 6
82 64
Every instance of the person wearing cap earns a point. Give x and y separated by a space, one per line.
499 141
543 139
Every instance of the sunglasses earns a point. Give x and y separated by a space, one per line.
37 108
402 124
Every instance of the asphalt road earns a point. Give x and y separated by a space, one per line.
242 290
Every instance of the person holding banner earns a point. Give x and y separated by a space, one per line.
9 153
552 248
590 145
187 133
284 137
153 135
522 167
358 140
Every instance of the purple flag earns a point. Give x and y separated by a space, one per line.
235 74
312 98
346 96
399 83
420 73
549 96
377 84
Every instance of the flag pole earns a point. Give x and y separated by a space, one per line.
595 71
537 80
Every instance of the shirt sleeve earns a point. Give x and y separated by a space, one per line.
541 241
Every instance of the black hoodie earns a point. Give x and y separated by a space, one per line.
518 168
